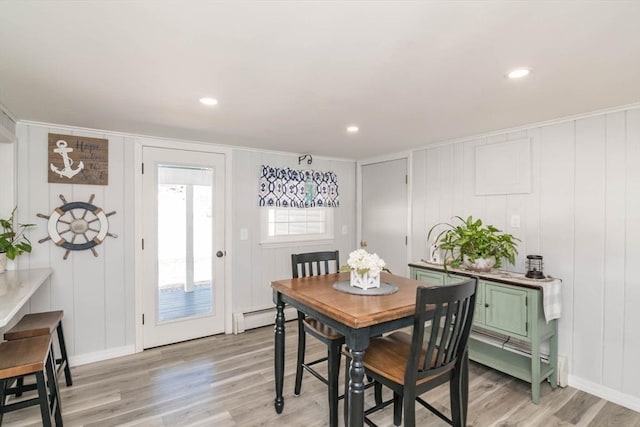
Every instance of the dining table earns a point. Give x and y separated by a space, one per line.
359 317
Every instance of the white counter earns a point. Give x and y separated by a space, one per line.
16 287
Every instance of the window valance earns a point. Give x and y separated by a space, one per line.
295 188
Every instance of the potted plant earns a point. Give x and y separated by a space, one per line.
13 241
473 245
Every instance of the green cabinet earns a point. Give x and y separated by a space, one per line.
505 311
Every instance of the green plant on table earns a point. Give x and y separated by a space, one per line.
473 241
13 241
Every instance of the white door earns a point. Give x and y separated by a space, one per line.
183 232
384 213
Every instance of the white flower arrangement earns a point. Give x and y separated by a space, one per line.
365 269
364 262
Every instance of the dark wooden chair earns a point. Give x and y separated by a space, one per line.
313 264
412 364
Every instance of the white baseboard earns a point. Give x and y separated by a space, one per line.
615 396
97 356
256 319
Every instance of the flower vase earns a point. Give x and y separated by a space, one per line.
364 281
3 262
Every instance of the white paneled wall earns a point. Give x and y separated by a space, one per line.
582 215
97 293
255 266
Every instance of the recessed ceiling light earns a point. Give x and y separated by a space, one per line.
353 129
519 73
208 101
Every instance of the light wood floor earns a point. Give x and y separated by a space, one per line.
228 381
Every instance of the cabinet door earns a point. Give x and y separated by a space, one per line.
505 309
430 277
452 279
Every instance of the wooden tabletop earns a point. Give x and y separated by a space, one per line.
355 311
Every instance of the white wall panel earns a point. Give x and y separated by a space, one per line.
582 215
472 204
97 293
113 250
243 267
614 234
271 262
431 198
419 229
556 217
7 174
127 238
458 178
589 220
631 353
446 169
530 222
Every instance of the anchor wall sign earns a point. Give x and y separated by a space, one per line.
78 160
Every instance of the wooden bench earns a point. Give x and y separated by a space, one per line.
30 356
41 324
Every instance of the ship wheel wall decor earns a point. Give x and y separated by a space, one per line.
77 226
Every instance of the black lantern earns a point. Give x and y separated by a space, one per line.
534 267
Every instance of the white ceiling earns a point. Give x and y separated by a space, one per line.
290 76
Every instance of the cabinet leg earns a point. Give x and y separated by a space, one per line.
553 355
535 373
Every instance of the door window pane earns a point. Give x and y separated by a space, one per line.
185 244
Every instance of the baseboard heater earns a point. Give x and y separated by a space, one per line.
257 319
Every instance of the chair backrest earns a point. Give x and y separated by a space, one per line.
315 263
450 310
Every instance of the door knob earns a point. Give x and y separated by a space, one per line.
220 254
363 243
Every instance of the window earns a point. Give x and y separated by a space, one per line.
281 225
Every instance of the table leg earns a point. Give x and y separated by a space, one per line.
357 342
279 354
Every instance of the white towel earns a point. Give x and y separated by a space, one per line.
552 299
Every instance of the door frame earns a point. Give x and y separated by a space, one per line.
408 155
141 142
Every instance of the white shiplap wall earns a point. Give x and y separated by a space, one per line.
255 266
582 215
97 294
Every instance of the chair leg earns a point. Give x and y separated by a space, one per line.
377 392
397 409
63 354
333 360
455 396
19 385
3 384
409 407
301 349
54 391
45 411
